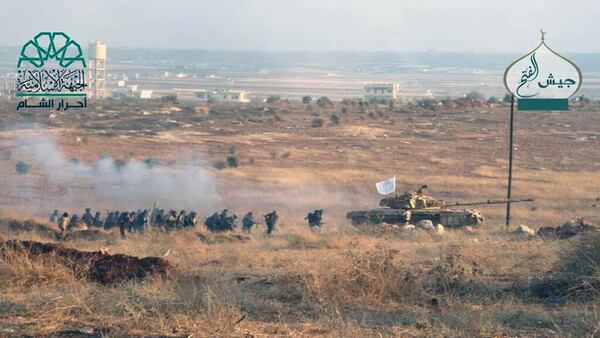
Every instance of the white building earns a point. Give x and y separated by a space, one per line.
381 92
145 94
223 95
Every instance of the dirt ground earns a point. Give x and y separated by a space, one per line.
343 281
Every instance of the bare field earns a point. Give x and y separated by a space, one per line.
343 281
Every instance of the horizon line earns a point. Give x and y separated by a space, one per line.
311 51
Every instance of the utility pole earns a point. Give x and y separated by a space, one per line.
510 158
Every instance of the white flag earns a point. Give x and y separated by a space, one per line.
386 187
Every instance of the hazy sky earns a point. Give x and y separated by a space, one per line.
309 25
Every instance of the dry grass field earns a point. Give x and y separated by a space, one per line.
343 281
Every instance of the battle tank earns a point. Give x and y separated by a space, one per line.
415 206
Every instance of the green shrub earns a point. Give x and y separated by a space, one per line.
220 165
324 102
232 161
273 99
335 119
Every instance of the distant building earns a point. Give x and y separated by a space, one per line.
9 86
97 70
145 94
381 92
223 95
124 90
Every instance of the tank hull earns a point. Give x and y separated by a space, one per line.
451 218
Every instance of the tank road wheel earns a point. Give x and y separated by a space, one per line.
357 220
474 218
375 218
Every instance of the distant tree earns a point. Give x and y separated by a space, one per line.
507 98
151 162
317 123
219 165
426 103
273 99
307 99
118 163
475 96
392 103
492 100
169 99
22 168
232 161
335 119
324 102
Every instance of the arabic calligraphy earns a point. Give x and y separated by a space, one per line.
529 74
49 104
552 82
50 80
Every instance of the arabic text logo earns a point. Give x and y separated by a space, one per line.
51 65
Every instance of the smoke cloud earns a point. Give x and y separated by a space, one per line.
56 181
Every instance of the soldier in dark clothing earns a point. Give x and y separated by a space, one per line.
315 219
87 217
123 223
225 222
159 218
212 222
117 219
126 222
229 224
248 222
97 220
171 220
131 221
222 220
153 216
271 221
190 220
141 221
180 219
74 219
107 220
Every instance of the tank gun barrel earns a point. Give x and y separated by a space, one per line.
500 201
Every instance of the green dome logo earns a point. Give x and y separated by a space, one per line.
51 46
